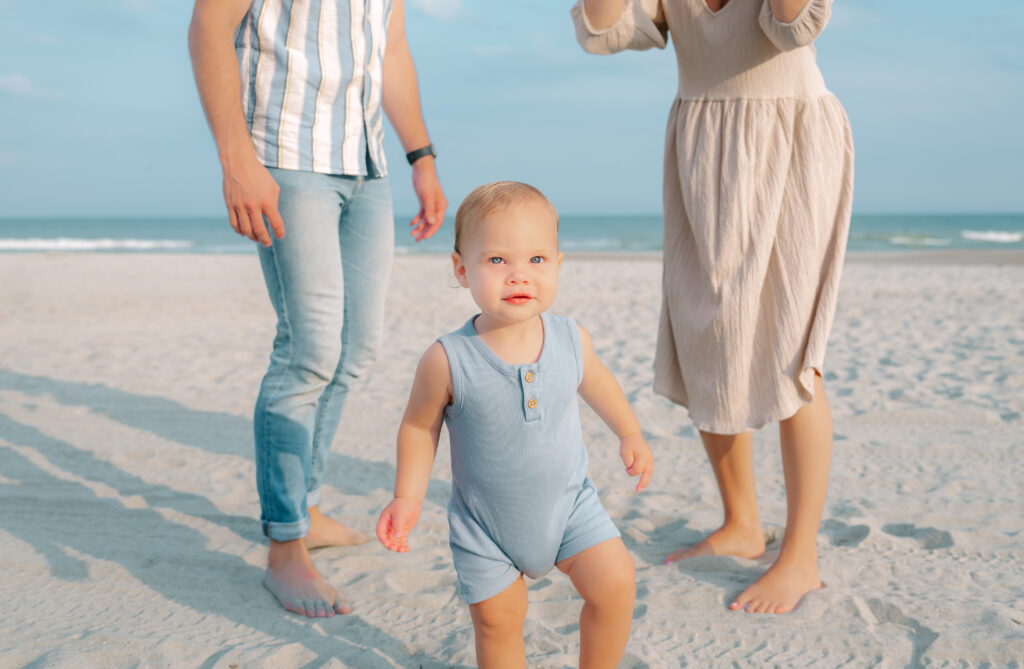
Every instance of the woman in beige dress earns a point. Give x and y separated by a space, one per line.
757 195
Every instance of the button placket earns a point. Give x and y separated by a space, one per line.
532 406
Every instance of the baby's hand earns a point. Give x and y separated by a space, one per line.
396 521
637 457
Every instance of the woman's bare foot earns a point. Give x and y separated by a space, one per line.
780 589
295 582
741 540
324 531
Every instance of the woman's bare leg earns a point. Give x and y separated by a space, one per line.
806 456
731 457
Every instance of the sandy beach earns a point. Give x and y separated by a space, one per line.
128 532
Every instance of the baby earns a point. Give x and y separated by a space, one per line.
506 386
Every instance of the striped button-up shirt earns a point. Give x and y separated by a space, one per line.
311 83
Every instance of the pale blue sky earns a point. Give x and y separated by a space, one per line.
99 115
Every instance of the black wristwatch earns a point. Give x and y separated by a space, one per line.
427 150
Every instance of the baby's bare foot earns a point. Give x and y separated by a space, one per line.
324 531
780 589
743 541
295 582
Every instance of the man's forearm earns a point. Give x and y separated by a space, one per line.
211 44
401 96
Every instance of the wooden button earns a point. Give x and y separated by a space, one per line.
529 377
532 403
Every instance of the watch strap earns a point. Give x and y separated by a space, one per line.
427 150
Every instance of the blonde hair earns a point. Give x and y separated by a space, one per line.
491 197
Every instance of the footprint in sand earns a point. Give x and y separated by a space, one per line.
876 611
841 534
928 538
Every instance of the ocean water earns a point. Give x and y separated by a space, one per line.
607 234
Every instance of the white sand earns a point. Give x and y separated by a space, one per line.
127 504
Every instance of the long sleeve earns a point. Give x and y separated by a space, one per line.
802 30
635 29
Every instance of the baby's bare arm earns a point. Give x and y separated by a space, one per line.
421 424
602 392
417 444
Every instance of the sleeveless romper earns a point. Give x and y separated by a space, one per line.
521 498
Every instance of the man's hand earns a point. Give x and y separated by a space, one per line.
432 201
638 459
250 193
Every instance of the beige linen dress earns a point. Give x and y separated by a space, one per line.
757 195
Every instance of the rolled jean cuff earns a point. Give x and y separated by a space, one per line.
313 498
286 531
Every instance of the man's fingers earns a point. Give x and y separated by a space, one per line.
233 219
417 224
429 208
244 225
259 230
440 205
274 218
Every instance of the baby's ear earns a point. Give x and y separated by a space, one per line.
460 269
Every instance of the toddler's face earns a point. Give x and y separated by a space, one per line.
510 261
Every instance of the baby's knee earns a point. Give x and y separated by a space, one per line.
619 587
499 616
614 586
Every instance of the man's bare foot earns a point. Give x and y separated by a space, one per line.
780 589
744 541
295 582
324 531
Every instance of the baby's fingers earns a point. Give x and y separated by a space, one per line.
384 529
645 478
389 536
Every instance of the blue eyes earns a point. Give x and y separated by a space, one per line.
497 260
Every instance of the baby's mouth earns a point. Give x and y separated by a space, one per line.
518 298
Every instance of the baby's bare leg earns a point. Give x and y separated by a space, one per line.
806 455
498 623
605 578
731 458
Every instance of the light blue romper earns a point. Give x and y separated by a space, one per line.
521 499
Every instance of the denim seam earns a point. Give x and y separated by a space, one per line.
291 358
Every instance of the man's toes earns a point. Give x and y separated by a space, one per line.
341 606
310 608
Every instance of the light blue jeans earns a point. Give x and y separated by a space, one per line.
327 280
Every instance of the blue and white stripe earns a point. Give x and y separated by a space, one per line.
311 83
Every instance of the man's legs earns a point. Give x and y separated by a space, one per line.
366 239
304 278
